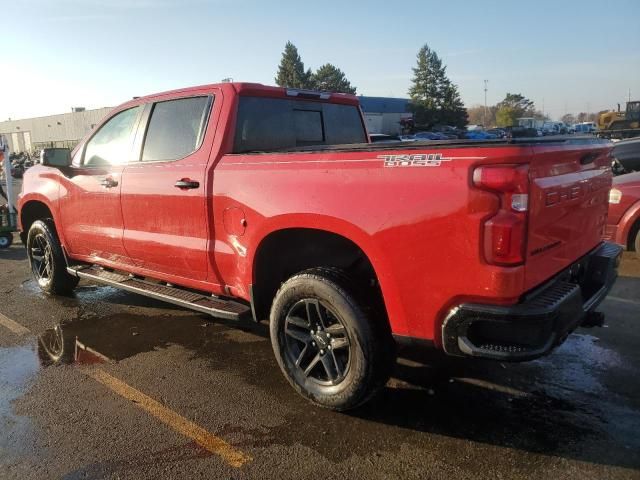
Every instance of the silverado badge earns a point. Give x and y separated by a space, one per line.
417 160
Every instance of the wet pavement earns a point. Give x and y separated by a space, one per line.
573 414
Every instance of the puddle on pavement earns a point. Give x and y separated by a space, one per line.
93 338
18 367
577 365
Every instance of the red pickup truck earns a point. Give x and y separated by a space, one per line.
239 198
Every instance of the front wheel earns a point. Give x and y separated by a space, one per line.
48 265
327 347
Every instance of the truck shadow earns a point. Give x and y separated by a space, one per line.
529 407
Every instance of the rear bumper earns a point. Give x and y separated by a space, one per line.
544 318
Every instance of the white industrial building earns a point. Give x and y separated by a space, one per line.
384 114
63 130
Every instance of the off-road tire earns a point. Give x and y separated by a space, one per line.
370 345
55 279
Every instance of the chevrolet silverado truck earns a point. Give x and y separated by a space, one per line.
241 200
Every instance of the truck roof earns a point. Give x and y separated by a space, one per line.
255 90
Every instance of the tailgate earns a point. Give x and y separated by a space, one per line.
568 203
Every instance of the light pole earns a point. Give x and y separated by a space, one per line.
484 115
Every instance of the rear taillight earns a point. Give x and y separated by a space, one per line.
505 233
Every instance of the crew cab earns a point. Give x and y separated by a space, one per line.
240 199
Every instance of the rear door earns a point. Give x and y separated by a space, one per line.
90 194
164 196
568 205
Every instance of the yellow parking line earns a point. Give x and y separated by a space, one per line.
15 327
210 442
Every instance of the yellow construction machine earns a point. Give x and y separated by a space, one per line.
617 124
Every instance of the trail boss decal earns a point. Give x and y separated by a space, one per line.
418 160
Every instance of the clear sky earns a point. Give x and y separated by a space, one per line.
576 55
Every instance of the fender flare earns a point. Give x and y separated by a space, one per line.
629 218
39 198
351 232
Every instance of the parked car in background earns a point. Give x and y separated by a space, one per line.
451 132
627 155
498 132
407 138
479 135
522 132
554 128
585 127
384 138
428 136
623 222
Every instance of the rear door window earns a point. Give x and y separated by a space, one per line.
176 128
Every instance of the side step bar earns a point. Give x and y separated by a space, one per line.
201 302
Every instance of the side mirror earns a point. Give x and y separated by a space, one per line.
56 157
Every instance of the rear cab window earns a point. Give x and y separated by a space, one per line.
268 124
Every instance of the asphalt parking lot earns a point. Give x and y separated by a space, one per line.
107 384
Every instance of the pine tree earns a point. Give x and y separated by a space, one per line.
427 79
434 98
291 72
453 111
331 79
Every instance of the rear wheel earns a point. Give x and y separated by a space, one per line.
636 243
48 265
330 351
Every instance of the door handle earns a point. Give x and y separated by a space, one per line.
109 182
186 183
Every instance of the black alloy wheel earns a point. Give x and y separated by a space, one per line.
317 343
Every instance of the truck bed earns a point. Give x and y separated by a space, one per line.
430 144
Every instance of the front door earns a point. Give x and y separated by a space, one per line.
90 192
164 199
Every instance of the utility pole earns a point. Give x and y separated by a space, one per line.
4 150
484 116
629 94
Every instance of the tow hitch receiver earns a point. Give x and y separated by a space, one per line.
593 319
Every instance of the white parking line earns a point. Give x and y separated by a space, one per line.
15 327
